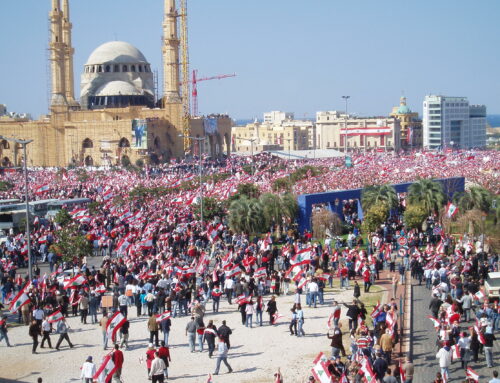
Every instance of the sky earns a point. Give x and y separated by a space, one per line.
298 56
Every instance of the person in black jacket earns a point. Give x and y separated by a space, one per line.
34 332
352 314
224 333
380 367
434 306
271 309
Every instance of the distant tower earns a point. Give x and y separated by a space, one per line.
68 52
56 48
171 44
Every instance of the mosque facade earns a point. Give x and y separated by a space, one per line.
116 117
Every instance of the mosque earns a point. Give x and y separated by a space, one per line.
117 117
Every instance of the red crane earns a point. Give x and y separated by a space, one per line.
195 80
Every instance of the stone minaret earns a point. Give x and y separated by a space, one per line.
171 44
56 48
69 87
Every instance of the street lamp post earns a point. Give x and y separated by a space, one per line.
252 140
25 143
345 123
199 140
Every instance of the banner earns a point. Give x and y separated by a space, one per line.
139 134
210 125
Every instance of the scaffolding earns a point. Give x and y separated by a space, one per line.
186 107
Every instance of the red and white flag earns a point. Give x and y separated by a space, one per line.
56 316
277 316
19 301
471 374
106 370
434 321
376 310
451 210
302 257
455 352
76 281
479 295
42 189
163 316
114 324
209 380
216 292
260 273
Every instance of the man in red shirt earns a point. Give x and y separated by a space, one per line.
118 361
164 354
367 279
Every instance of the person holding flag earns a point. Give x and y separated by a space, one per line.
88 371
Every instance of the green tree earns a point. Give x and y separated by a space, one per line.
427 193
375 216
5 186
72 243
139 163
125 161
476 198
63 218
246 216
211 208
290 206
282 184
414 216
375 194
94 207
246 189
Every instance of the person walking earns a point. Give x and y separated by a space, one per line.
46 330
62 329
93 307
386 344
224 332
34 332
156 372
84 308
222 351
88 371
124 333
444 356
118 361
249 310
408 369
164 354
153 330
209 335
150 355
293 322
3 330
271 309
259 307
336 344
300 321
489 337
165 325
191 333
104 324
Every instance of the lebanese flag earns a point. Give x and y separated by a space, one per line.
330 320
390 320
101 289
107 195
106 370
479 295
303 257
321 373
212 234
293 271
36 221
402 373
19 301
435 322
42 189
210 331
235 270
302 283
78 280
260 273
369 375
455 352
72 298
209 380
323 277
42 239
56 316
451 210
114 324
480 335
343 379
177 201
242 299
471 374
376 310
24 249
320 358
147 243
216 292
163 316
277 316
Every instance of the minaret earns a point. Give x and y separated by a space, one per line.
57 55
171 44
68 52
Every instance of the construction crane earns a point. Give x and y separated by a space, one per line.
195 81
185 76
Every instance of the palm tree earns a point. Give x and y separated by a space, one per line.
289 205
476 198
246 215
375 194
428 193
272 207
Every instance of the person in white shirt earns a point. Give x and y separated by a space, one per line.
46 329
313 290
88 371
157 367
228 288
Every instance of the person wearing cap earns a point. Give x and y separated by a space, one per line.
150 355
88 371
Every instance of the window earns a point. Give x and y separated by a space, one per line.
132 68
108 68
124 143
99 69
116 68
125 68
140 68
87 143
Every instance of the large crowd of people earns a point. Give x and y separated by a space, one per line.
155 255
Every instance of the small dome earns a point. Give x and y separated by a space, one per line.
115 88
403 109
118 52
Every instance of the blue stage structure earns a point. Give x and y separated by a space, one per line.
334 199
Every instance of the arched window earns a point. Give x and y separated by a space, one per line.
92 70
140 68
99 68
124 143
132 68
87 143
108 68
5 144
125 68
89 161
117 68
6 161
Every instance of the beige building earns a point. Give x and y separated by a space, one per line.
117 114
411 125
280 132
374 133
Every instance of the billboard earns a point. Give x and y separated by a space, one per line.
210 125
139 134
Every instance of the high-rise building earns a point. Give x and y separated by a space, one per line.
453 122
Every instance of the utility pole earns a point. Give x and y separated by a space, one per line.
24 143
